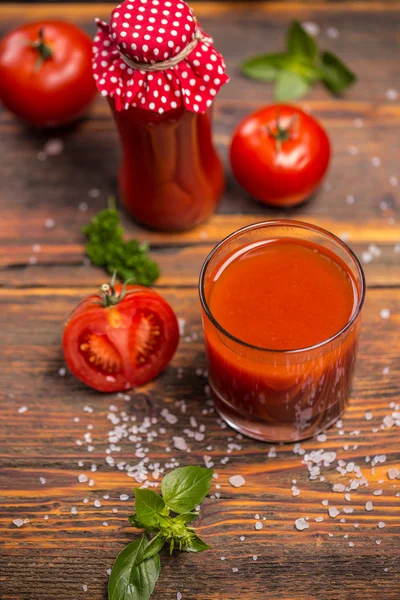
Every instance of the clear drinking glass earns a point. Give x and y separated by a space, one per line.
279 395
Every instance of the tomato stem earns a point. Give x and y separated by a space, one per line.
108 295
282 134
44 51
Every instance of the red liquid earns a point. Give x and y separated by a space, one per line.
281 295
171 177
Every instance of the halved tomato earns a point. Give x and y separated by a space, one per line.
120 338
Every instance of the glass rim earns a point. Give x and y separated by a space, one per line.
300 225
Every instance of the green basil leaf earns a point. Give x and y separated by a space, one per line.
136 522
306 70
290 86
196 545
149 506
186 517
336 76
264 67
300 42
131 581
153 547
185 487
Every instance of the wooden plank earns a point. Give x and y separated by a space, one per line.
180 265
75 550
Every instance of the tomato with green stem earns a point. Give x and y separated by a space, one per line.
280 155
120 338
46 72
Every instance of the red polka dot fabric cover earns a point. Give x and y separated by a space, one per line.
147 34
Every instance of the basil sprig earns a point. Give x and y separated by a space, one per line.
296 70
137 568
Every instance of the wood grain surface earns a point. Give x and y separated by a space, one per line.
65 429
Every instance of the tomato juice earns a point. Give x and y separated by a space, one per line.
281 312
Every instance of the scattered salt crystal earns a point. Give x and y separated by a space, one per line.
255 557
393 181
350 199
378 492
85 500
94 193
385 370
393 473
62 371
18 522
385 313
368 416
97 503
178 596
83 206
87 409
378 542
332 33
46 517
369 506
391 94
353 150
237 481
124 497
82 478
355 525
42 480
105 524
381 525
53 147
301 524
179 443
181 324
366 257
322 437
325 502
74 510
84 587
311 28
223 557
22 409
358 123
348 510
333 512
351 544
319 519
235 569
49 223
376 161
339 487
258 525
242 538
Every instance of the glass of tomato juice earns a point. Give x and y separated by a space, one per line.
281 307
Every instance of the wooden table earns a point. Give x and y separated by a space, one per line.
57 553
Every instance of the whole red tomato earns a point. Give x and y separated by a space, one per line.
45 72
120 338
280 154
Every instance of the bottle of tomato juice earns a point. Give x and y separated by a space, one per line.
160 73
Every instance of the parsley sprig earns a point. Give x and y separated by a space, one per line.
107 248
137 568
297 69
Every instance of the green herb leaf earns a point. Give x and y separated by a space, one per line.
290 86
153 547
336 76
136 522
196 545
264 67
131 581
107 248
186 517
149 506
300 42
185 487
301 66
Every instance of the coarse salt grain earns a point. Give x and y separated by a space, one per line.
333 512
369 506
18 522
258 525
124 497
385 313
301 524
22 409
237 481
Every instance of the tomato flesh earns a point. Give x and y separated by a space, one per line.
116 348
